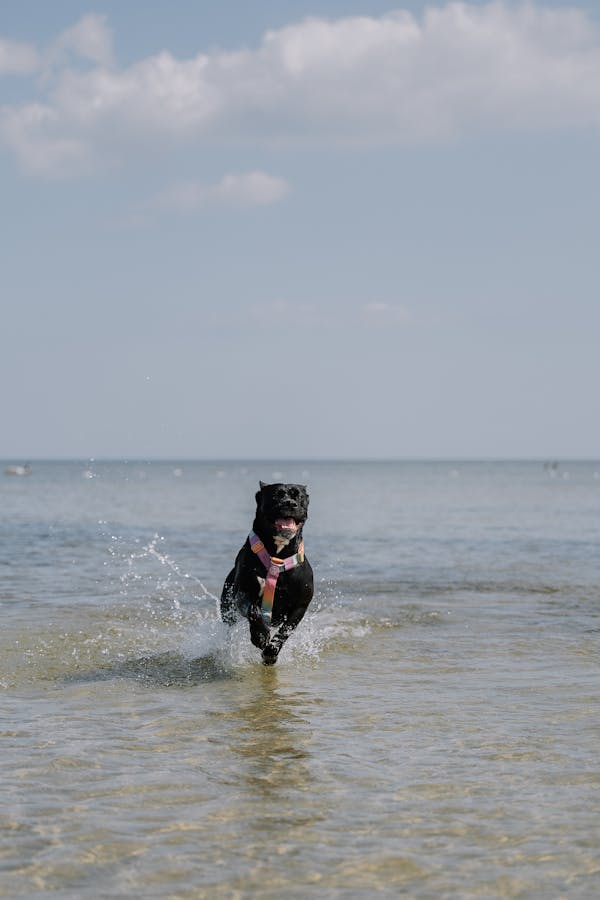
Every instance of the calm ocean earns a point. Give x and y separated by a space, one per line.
432 729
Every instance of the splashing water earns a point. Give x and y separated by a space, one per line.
150 618
162 616
165 560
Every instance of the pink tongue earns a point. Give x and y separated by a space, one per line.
286 525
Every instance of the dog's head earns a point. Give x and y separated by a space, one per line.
282 509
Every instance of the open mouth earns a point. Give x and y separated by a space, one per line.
287 526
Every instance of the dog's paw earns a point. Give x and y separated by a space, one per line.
269 655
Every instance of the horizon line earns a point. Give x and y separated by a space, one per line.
296 459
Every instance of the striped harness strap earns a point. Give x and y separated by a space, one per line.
274 567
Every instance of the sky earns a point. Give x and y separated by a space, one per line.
318 229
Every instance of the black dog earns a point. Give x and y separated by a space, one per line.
271 583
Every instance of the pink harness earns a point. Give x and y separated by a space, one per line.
274 567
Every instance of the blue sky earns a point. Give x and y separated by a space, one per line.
303 229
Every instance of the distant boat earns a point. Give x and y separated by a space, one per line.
18 470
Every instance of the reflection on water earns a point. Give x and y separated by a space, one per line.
269 735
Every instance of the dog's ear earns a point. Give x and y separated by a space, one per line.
262 485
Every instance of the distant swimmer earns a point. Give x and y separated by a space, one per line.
18 470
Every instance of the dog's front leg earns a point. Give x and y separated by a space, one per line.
290 623
275 643
259 630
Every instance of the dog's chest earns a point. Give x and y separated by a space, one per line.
280 542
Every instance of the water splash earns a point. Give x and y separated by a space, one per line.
165 560
137 569
198 630
155 622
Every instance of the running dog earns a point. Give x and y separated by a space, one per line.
271 583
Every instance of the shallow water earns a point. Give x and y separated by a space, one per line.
430 730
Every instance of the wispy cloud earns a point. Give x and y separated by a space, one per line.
89 39
377 313
239 190
309 314
458 70
17 58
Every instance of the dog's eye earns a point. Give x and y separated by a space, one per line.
294 493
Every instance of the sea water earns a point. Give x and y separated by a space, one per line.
430 730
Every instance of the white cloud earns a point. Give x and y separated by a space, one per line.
253 189
89 39
396 79
17 58
377 313
42 147
322 313
245 189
